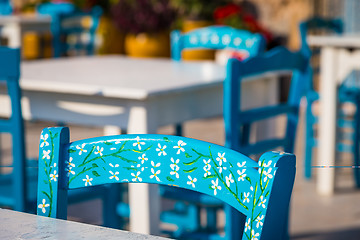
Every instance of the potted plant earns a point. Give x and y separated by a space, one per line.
236 16
196 14
146 24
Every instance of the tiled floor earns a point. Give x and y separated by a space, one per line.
312 217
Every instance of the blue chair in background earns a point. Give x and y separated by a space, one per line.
213 37
18 187
13 190
238 122
5 7
73 31
261 199
216 37
348 93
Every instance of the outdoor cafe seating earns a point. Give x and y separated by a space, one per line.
243 125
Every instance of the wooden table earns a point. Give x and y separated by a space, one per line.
18 225
134 94
14 26
336 62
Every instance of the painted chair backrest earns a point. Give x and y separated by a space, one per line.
276 60
73 30
9 78
261 191
318 23
5 7
216 37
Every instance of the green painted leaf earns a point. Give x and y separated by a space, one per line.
95 174
188 155
166 139
190 170
209 176
56 135
210 187
47 195
130 168
192 162
108 143
248 179
71 150
46 182
170 179
125 159
94 165
267 194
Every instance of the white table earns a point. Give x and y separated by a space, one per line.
336 62
134 94
14 26
18 225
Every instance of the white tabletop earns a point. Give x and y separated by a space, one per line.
17 225
24 19
125 77
138 95
348 40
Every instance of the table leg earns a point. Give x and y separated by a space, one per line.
143 198
13 33
327 121
111 130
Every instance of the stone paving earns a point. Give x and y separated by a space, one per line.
312 217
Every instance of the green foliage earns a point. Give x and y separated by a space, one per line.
197 9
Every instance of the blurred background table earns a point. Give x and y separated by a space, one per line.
18 225
339 56
138 95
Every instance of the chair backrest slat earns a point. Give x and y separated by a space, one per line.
160 159
217 37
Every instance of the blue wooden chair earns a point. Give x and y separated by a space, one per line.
260 191
238 123
347 93
13 190
5 7
17 189
73 31
213 37
216 37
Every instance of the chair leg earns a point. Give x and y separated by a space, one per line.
356 147
235 223
178 129
245 135
211 219
110 201
309 141
19 171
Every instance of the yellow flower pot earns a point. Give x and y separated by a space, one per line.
111 39
31 45
148 45
189 25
